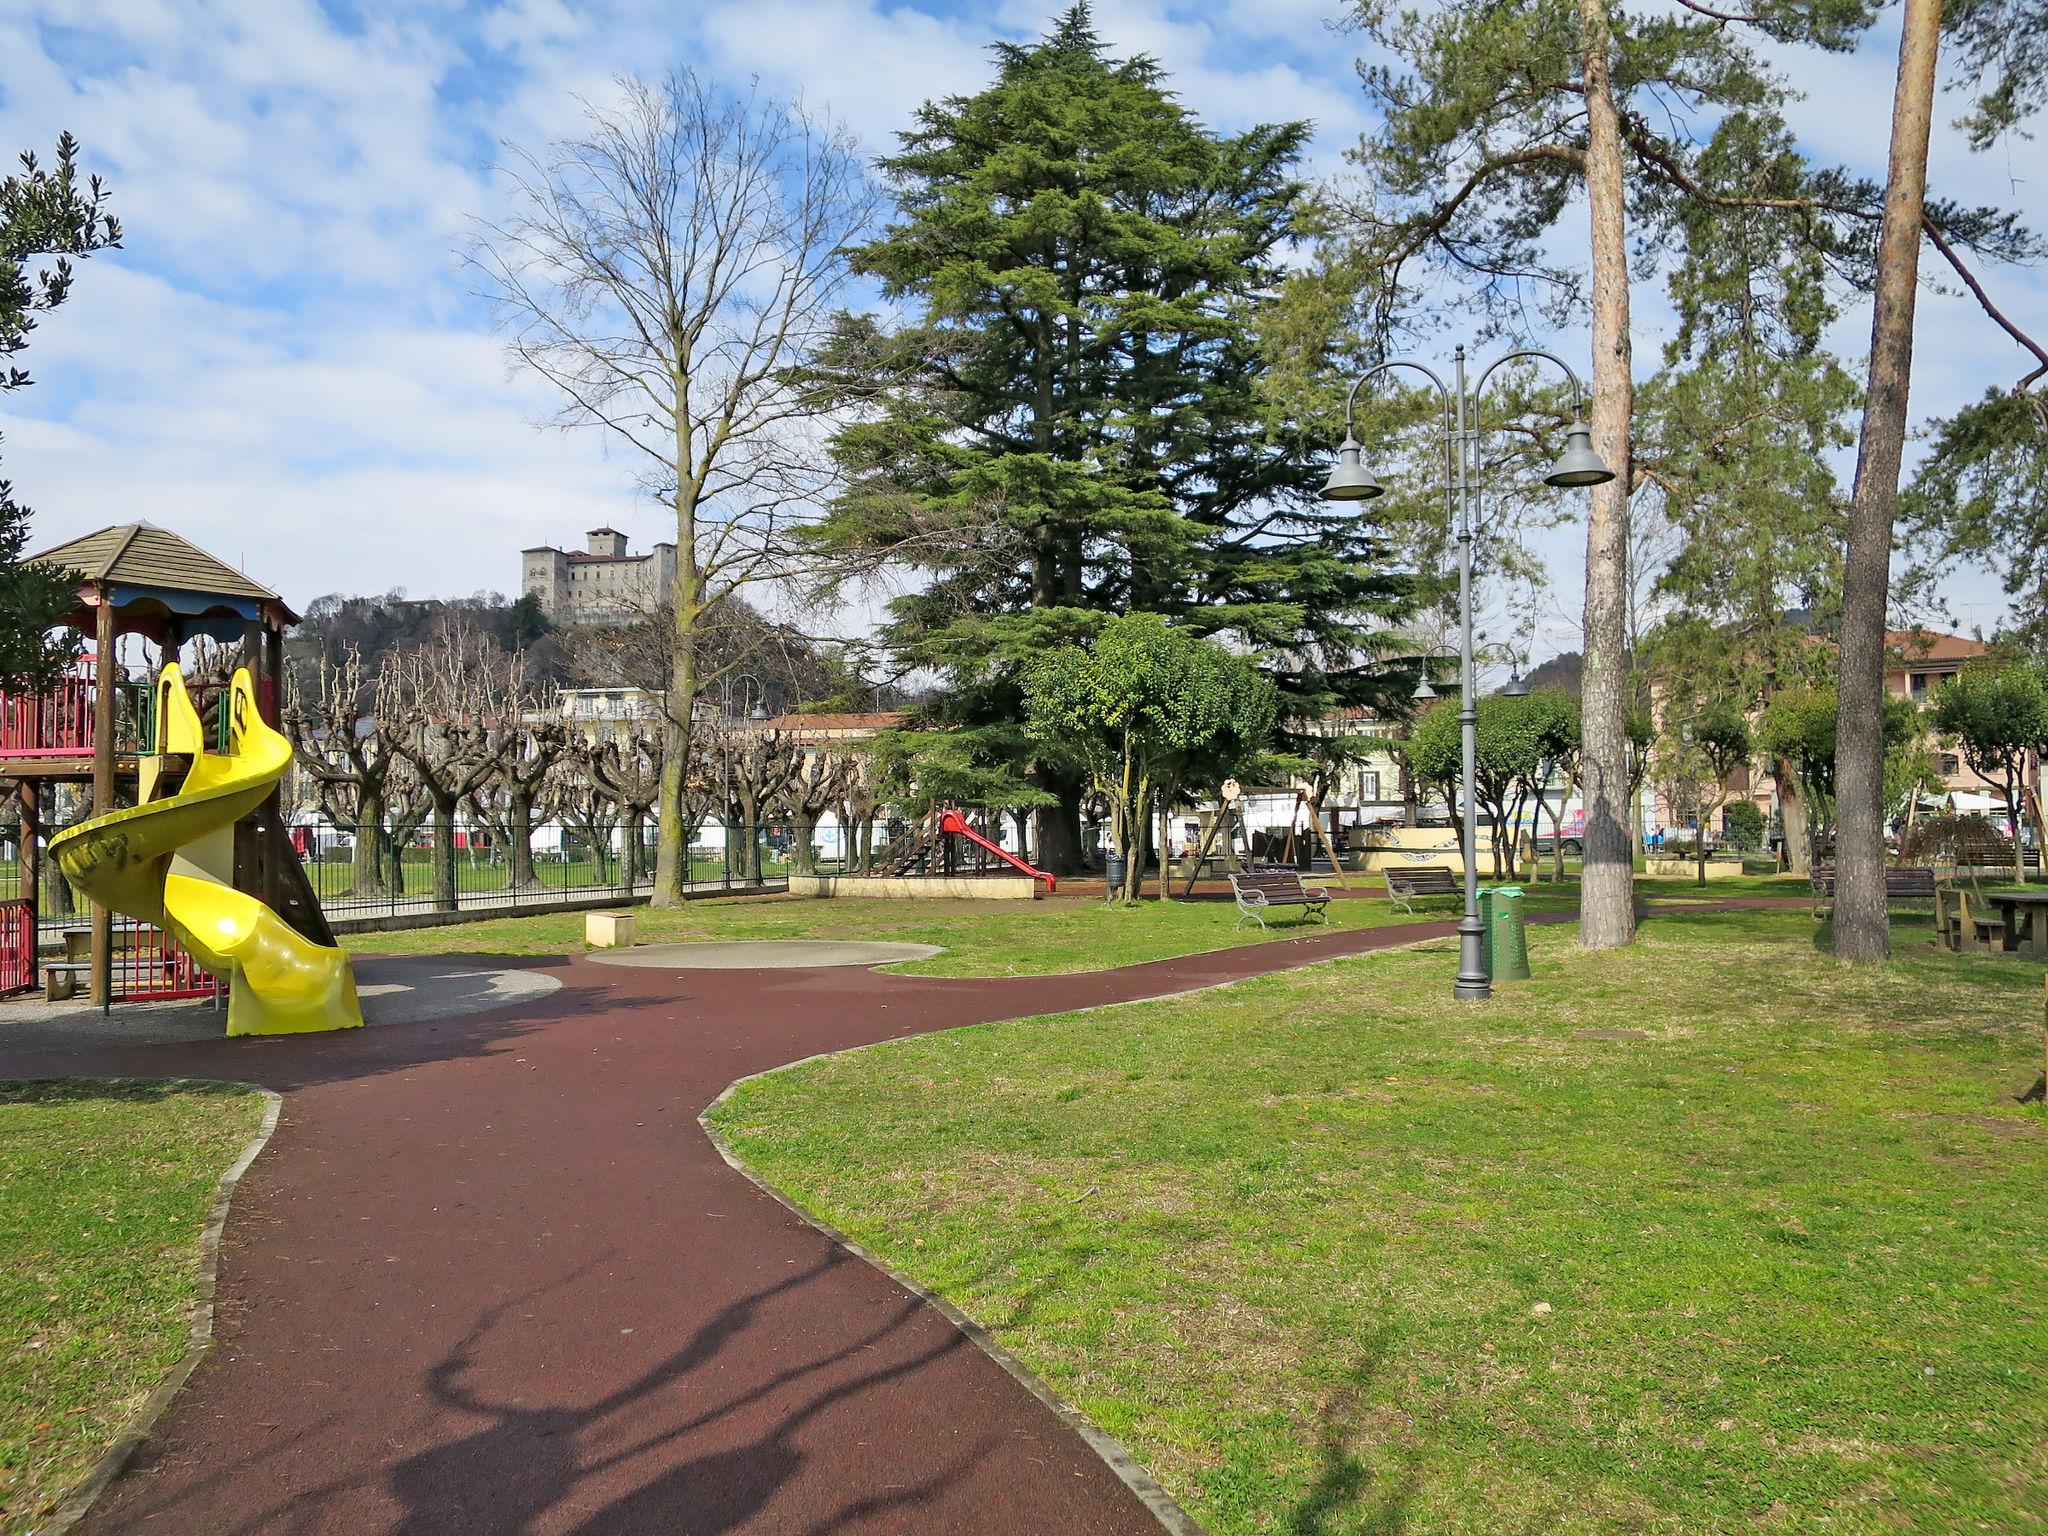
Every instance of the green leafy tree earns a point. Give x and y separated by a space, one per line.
1558 739
1719 737
1513 739
1798 725
1068 423
1998 716
1147 707
47 215
1745 823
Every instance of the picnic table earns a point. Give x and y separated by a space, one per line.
2026 920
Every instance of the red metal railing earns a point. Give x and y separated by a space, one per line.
53 724
17 946
153 968
59 723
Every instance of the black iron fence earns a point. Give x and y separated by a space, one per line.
385 870
358 871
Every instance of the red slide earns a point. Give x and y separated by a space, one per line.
954 822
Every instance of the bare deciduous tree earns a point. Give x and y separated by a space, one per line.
670 273
345 743
455 700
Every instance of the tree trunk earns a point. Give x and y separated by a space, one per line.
671 852
1557 832
1862 920
1057 828
804 825
1607 878
444 853
367 859
519 833
1798 825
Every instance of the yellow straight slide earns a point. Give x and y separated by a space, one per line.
280 982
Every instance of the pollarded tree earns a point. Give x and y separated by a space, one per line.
455 699
817 785
535 739
1070 425
671 273
345 739
626 765
574 796
1144 708
1998 716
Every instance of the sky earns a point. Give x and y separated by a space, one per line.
286 363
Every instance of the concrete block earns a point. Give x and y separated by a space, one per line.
609 930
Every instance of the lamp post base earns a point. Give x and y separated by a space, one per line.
1473 983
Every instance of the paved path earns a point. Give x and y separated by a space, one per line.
490 1276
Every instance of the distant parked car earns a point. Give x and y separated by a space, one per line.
1546 845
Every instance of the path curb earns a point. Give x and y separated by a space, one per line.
1114 1453
199 1336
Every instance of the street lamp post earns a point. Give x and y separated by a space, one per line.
1350 481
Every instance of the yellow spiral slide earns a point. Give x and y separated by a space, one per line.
129 861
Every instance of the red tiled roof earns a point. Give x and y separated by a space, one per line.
1918 645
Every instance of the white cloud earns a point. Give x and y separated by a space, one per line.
287 364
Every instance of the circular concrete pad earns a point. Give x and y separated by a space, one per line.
393 989
764 954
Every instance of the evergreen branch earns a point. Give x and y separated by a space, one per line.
1722 16
1997 315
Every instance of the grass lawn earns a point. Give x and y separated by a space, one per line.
1707 1235
104 1190
981 938
1068 932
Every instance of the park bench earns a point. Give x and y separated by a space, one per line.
1259 890
1405 885
1902 882
1961 924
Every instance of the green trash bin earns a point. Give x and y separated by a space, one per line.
1507 937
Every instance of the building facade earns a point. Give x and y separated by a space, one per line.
600 583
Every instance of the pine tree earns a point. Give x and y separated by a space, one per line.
43 214
1069 425
1734 434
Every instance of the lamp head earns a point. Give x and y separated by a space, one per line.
1349 479
1422 688
1578 464
1516 687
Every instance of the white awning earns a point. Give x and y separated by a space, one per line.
1965 803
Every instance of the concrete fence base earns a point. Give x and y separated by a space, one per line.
915 887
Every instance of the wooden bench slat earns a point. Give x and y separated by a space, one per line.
1258 889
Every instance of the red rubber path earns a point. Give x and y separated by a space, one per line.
490 1276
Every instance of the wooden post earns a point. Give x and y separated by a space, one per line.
105 677
1329 845
273 671
1217 824
31 867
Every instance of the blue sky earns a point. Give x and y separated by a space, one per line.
286 365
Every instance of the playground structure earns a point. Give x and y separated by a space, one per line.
169 862
113 737
945 846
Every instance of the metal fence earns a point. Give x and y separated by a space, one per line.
363 871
